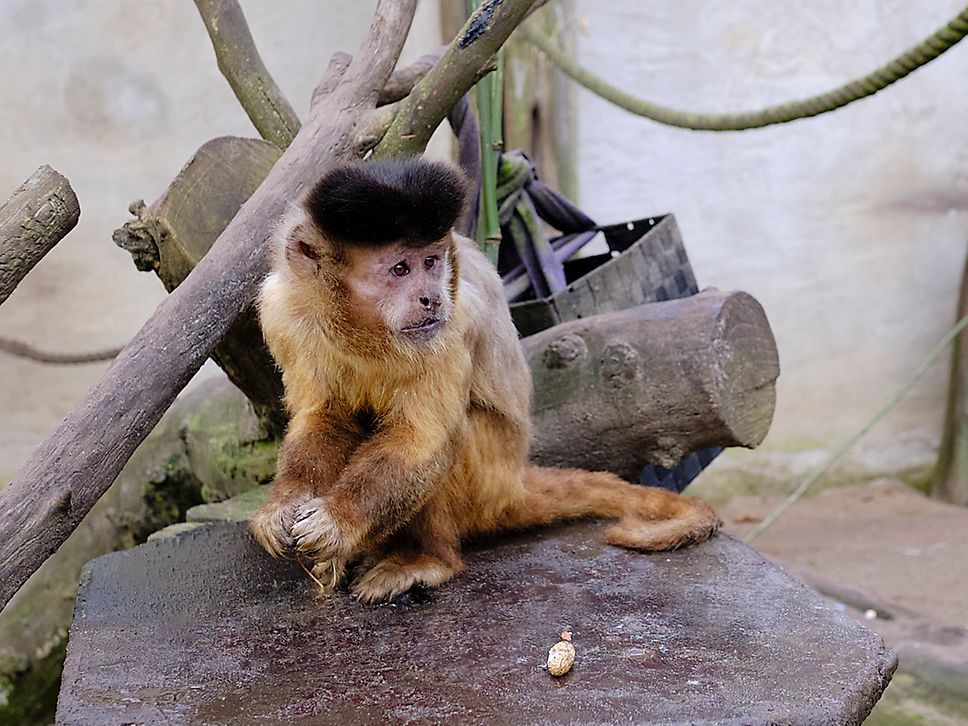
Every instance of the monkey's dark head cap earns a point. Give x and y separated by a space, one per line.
382 201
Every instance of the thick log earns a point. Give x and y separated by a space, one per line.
653 383
172 235
37 216
69 471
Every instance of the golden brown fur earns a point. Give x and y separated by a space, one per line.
399 448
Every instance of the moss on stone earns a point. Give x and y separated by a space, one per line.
168 501
239 508
227 446
29 696
918 477
916 697
162 481
771 471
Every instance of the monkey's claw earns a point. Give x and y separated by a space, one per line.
316 535
271 526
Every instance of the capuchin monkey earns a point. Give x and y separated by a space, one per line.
410 395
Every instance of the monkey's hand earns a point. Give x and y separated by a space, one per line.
317 534
272 525
313 453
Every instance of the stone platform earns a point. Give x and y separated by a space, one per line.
206 629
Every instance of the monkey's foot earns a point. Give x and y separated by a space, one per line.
329 574
398 573
316 534
271 525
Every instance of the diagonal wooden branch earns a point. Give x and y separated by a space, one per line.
437 93
240 63
36 217
68 472
338 64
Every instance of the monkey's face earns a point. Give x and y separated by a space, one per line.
404 288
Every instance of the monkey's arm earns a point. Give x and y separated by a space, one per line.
317 447
388 478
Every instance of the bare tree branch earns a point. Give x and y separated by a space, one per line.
372 66
373 127
338 64
37 216
451 77
402 80
68 472
242 67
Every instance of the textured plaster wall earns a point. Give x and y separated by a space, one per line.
850 228
117 95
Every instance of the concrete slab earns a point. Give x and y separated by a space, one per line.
207 629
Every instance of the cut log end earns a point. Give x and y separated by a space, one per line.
745 368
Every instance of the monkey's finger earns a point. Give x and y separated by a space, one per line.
318 537
307 509
274 539
303 529
329 572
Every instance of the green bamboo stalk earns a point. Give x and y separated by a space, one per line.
490 108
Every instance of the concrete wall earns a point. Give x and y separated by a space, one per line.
117 95
850 228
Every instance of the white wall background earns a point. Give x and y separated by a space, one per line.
117 95
850 228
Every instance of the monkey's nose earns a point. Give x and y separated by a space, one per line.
430 303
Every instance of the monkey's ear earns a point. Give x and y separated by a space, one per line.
301 253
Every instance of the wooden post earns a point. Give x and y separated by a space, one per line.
37 216
172 235
951 475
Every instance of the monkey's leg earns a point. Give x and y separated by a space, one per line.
650 519
426 551
388 478
312 455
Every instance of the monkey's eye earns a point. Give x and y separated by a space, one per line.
400 269
431 261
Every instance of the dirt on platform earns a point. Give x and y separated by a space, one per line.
897 561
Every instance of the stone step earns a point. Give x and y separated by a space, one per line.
205 628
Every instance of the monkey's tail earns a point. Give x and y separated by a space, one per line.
649 518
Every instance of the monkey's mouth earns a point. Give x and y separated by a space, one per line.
424 329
